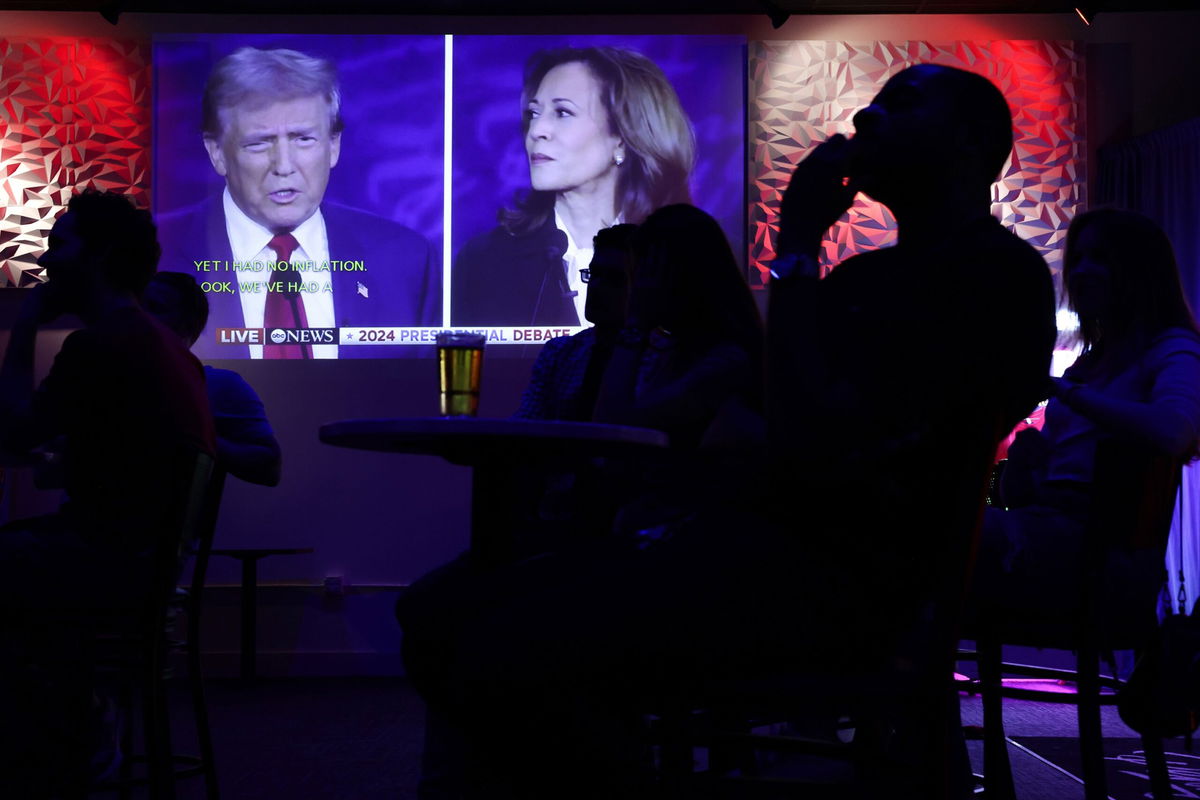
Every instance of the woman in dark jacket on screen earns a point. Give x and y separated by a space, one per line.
608 142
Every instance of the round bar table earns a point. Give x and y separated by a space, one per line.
494 449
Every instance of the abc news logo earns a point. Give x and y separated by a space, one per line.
277 335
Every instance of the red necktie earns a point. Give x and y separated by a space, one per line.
285 308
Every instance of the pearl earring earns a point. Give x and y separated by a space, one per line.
618 159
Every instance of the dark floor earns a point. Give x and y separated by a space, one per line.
360 739
306 739
1035 778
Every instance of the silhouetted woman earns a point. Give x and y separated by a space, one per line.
1137 380
688 363
566 376
693 340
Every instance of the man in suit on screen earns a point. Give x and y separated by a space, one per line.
272 128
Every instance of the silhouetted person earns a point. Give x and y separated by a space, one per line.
562 504
246 445
126 397
893 379
566 375
678 378
564 385
689 363
1137 380
693 339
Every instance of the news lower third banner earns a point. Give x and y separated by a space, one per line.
384 336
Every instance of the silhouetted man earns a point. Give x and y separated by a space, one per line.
124 398
893 379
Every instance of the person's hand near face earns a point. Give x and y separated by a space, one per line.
921 136
816 196
276 159
887 159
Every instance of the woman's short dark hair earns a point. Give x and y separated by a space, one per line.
1143 276
706 288
618 239
643 110
111 222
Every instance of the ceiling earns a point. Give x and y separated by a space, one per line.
613 7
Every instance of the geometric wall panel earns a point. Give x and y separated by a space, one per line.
803 92
74 113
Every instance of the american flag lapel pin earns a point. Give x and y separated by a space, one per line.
363 290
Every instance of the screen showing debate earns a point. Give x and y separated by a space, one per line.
351 196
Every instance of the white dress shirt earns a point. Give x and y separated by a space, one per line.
248 241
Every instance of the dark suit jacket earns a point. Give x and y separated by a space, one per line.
402 277
504 280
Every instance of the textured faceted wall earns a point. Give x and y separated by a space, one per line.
74 112
803 92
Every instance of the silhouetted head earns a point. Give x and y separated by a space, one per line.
929 126
102 238
609 277
1121 277
689 281
177 301
599 115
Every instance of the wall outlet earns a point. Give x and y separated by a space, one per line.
333 598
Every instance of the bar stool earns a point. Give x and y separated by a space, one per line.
140 656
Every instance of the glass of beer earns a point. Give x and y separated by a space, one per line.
460 367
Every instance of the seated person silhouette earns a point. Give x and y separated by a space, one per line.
678 351
563 385
1137 380
692 341
566 375
126 397
688 363
246 445
676 378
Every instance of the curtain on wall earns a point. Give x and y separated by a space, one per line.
1159 175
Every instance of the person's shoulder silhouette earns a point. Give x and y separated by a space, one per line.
122 393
